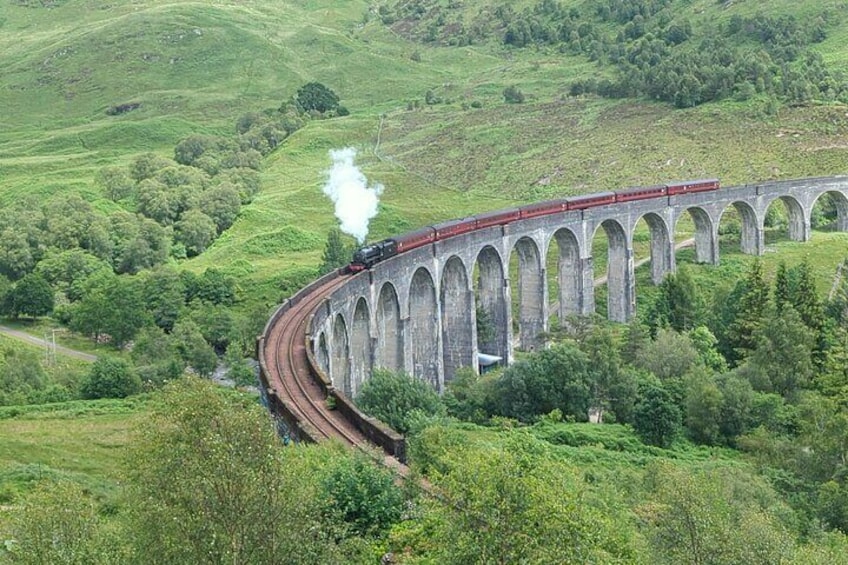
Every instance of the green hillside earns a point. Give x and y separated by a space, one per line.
194 68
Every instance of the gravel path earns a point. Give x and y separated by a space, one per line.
23 336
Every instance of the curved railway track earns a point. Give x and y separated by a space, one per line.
292 377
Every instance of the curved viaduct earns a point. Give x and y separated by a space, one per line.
417 311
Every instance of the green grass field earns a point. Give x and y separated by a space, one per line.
195 67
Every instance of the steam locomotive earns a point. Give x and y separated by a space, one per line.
368 256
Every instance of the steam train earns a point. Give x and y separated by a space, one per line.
368 256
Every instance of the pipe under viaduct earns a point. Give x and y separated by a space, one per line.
417 312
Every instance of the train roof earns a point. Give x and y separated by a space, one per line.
581 197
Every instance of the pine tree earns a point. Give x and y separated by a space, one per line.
336 253
805 297
750 312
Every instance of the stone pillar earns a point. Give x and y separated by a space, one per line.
629 286
587 290
505 329
711 254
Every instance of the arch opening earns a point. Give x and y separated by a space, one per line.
613 277
784 219
738 225
564 276
830 212
491 307
652 244
322 355
694 229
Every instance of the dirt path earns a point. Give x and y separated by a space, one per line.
23 336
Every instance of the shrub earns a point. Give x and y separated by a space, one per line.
111 378
396 399
512 95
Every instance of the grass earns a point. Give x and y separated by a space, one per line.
79 441
194 68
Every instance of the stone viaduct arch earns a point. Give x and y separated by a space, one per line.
418 311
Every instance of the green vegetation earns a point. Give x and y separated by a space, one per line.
161 167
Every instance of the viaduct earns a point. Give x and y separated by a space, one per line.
417 311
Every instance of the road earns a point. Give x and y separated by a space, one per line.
23 336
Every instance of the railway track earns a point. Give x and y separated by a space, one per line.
292 377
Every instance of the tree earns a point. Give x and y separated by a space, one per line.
805 296
467 396
193 348
64 269
209 482
222 204
705 344
213 287
111 305
782 294
59 524
16 255
704 402
613 386
716 516
196 231
115 182
782 360
336 253
511 506
31 296
164 294
316 96
110 377
678 303
395 398
555 378
750 310
670 355
155 356
146 165
657 417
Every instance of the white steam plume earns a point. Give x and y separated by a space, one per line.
347 187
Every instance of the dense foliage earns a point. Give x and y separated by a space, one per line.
647 48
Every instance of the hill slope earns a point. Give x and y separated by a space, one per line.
195 67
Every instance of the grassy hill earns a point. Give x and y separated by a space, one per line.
195 67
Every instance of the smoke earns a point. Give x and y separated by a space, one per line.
347 187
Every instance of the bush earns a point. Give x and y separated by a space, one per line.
396 399
362 495
512 95
110 378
